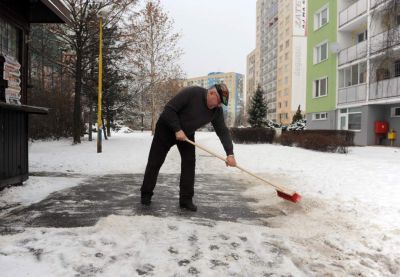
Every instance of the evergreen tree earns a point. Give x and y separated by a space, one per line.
297 116
258 109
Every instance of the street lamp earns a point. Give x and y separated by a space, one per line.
100 83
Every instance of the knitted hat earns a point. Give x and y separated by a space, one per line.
223 92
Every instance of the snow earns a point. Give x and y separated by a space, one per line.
36 189
346 224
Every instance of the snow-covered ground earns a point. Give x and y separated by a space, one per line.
346 224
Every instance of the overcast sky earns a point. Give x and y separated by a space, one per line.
217 35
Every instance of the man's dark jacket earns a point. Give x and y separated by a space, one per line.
188 111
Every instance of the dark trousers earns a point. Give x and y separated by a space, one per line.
163 140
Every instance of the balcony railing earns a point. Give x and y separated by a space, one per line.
375 3
352 12
385 89
353 53
385 40
352 94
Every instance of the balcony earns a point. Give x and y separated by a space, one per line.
353 53
352 12
357 93
385 40
385 89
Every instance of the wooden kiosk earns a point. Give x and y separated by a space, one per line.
15 19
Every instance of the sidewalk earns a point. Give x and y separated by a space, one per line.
218 198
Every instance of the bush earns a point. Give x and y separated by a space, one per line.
319 140
252 135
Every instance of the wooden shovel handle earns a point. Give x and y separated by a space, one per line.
278 187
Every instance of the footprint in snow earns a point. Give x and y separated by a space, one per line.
235 245
173 250
214 247
192 270
183 262
193 238
216 263
145 269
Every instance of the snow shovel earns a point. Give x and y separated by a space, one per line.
282 192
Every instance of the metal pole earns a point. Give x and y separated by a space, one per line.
99 123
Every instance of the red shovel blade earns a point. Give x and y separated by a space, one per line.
294 197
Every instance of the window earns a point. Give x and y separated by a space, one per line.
286 56
321 52
354 121
320 116
397 68
341 79
321 17
350 119
9 39
321 87
362 73
362 36
279 105
382 74
286 92
395 112
287 43
353 75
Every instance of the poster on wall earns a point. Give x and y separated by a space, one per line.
12 74
300 18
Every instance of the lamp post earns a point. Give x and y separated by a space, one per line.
100 83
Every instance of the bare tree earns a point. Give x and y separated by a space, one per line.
154 52
384 42
77 36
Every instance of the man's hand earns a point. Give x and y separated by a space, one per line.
180 135
230 161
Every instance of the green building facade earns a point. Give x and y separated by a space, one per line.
321 64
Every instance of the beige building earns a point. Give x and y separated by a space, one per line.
282 43
234 81
251 84
292 59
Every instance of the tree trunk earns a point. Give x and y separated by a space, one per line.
153 114
104 130
42 60
108 123
90 118
76 131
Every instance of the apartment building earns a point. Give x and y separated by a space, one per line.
292 59
321 64
251 84
234 81
269 54
280 57
367 55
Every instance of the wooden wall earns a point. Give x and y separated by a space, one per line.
13 147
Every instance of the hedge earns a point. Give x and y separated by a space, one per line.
319 140
252 135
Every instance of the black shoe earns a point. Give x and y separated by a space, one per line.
188 205
145 199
